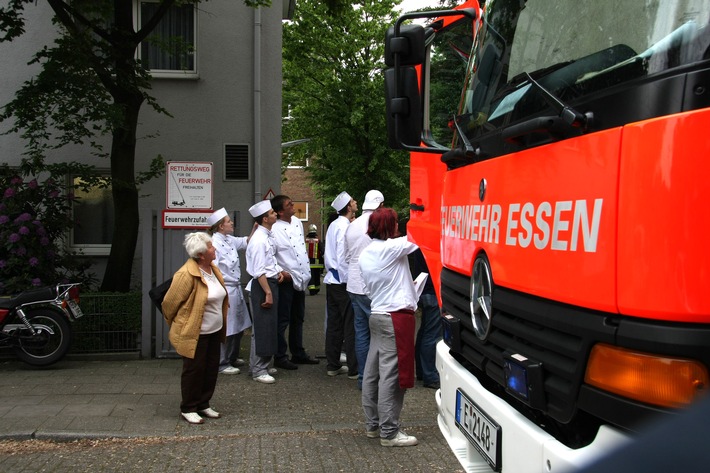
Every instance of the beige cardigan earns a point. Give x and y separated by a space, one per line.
184 306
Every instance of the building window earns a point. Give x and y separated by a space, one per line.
170 50
236 162
301 209
93 220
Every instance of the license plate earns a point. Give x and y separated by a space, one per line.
480 429
74 308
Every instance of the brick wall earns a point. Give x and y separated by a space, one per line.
298 187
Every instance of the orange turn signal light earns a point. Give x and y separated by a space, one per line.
652 379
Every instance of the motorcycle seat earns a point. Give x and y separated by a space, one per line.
32 295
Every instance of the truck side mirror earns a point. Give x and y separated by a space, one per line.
409 45
403 101
404 111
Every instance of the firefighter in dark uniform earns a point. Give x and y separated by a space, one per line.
315 256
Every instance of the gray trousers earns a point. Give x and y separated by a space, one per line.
382 398
264 328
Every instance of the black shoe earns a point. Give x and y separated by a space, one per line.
434 385
285 364
304 360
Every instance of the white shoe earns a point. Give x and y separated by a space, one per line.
192 417
265 378
231 370
341 370
210 413
399 440
272 371
373 434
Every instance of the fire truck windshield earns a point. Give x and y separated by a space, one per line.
574 49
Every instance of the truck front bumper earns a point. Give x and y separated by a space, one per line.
524 447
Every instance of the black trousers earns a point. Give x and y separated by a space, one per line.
340 328
199 374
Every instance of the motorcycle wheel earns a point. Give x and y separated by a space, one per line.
44 348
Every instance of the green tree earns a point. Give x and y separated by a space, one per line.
91 85
334 93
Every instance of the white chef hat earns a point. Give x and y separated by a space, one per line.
216 216
373 199
260 208
341 201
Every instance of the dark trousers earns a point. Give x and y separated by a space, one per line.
199 374
340 328
292 313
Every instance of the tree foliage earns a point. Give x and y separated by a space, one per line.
90 85
334 94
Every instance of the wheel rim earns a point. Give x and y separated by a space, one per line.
43 344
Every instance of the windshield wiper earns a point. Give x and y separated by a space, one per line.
568 115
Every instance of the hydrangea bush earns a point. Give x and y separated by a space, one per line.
35 218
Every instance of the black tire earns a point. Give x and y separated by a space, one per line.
44 348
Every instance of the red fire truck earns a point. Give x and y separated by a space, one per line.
559 191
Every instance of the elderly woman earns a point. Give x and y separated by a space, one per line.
195 307
227 248
389 370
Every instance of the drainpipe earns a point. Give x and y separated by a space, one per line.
257 105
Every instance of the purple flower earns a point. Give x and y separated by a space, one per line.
33 184
44 241
21 251
4 219
14 238
24 217
24 230
41 231
33 261
36 282
16 180
54 194
2 263
9 192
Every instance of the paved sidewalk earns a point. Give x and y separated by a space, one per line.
140 399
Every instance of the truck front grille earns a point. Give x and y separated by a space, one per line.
557 335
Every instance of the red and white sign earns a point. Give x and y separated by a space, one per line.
189 185
196 219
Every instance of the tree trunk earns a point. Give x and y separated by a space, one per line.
125 200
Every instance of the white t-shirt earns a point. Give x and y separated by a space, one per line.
356 239
212 318
385 271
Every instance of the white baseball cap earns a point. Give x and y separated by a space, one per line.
341 201
373 199
216 216
260 208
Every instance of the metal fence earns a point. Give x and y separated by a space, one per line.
111 323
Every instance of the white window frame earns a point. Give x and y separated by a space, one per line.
168 73
307 209
88 248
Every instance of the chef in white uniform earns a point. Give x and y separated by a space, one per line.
227 247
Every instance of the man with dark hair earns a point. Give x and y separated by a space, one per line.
340 329
292 256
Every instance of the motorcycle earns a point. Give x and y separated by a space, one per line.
36 323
